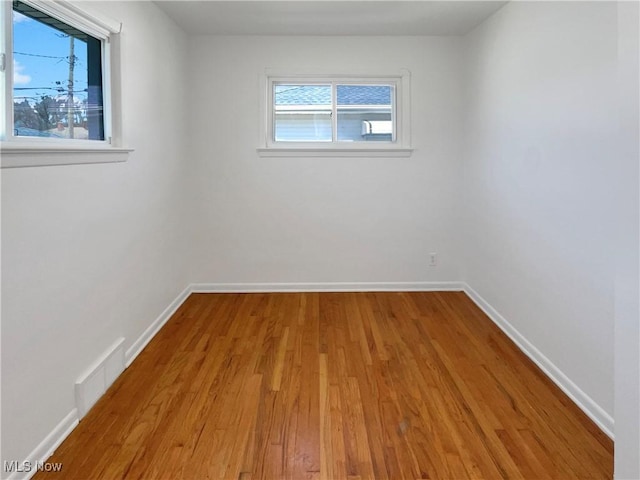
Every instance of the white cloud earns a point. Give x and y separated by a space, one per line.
19 78
19 18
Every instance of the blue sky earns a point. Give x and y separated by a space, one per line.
39 74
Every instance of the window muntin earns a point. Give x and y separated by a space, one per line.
333 112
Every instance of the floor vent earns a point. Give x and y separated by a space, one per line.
99 377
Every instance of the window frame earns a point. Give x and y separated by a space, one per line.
399 146
25 151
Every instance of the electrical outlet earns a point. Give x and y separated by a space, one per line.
433 259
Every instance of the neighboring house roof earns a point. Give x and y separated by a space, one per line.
321 95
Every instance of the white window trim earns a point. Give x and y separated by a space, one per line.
35 151
400 147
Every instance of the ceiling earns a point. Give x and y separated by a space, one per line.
327 17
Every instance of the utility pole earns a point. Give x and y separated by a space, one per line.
72 62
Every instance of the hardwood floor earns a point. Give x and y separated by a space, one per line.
333 386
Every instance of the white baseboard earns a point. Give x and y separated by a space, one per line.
134 350
46 448
594 411
326 287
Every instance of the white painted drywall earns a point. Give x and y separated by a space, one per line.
322 219
91 253
539 180
627 329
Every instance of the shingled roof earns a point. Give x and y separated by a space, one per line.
321 95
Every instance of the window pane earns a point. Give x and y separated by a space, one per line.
302 113
365 113
57 80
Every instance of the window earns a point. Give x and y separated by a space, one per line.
340 115
57 78
305 112
56 61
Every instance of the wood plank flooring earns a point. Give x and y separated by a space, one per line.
325 386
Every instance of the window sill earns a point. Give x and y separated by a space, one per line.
335 152
31 155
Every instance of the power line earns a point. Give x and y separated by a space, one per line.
41 56
57 89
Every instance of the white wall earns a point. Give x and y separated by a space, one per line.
539 181
514 184
627 331
323 219
91 253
